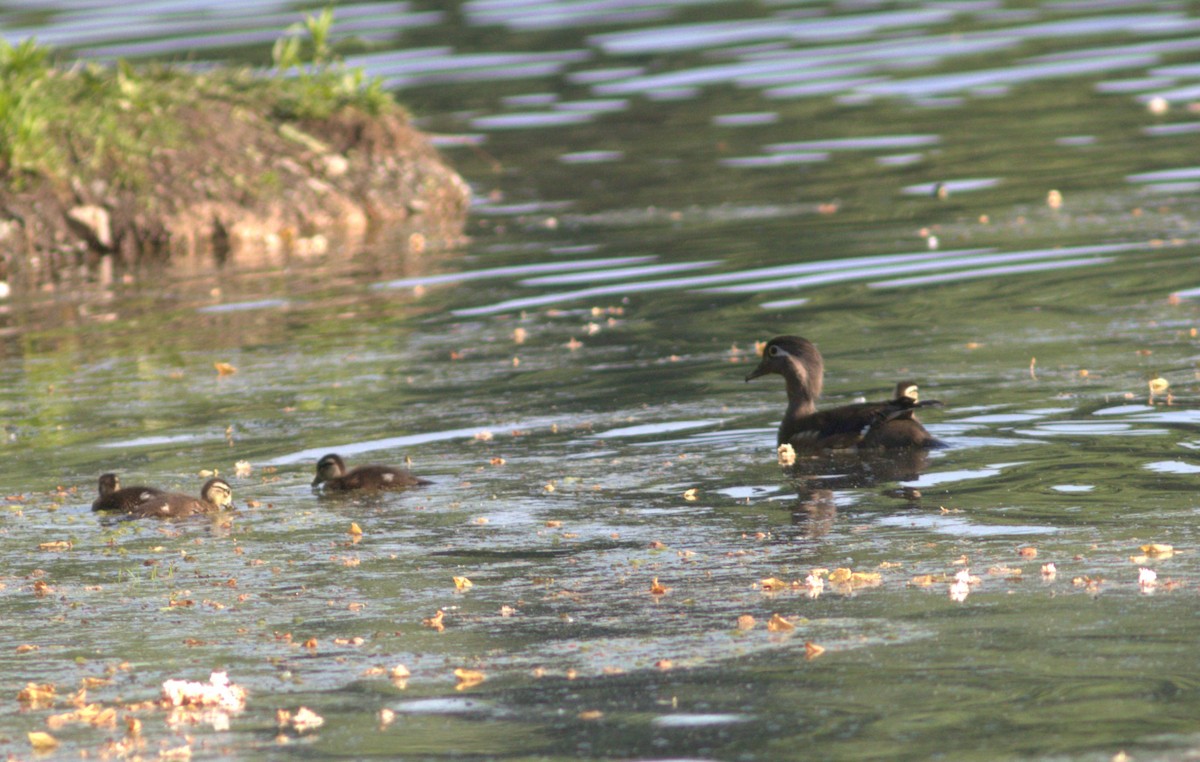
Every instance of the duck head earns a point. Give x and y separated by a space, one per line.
907 390
218 492
798 361
329 467
109 483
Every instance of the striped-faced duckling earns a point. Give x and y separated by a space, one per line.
333 476
214 495
114 498
896 423
888 424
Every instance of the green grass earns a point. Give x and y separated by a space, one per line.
76 123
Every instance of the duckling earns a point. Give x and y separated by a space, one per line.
805 428
214 495
332 475
113 498
896 424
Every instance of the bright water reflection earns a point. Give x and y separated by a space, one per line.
658 186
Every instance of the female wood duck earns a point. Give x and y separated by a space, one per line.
214 495
113 498
890 424
332 475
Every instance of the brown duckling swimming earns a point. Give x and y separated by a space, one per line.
214 495
890 424
896 424
150 502
332 475
114 498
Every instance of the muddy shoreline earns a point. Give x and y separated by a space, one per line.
226 178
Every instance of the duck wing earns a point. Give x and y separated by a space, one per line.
835 428
376 477
166 505
126 499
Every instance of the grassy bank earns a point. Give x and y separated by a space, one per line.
135 162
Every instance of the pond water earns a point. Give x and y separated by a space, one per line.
657 187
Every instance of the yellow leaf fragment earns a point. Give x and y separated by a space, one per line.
242 469
217 692
37 695
590 714
1027 552
42 741
690 494
812 650
922 580
1158 550
773 585
845 576
224 369
306 719
779 624
56 545
386 717
25 648
664 664
865 579
1000 570
468 678
839 576
658 589
355 529
179 752
435 622
745 622
786 454
462 583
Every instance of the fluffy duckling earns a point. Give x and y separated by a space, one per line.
114 498
896 424
333 476
214 495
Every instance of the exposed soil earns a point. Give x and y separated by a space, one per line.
237 184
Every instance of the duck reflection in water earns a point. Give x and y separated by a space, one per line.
818 479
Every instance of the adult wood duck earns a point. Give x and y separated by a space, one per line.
333 476
214 495
114 498
889 424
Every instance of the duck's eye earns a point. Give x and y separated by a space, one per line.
773 351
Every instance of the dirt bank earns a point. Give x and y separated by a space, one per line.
207 166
